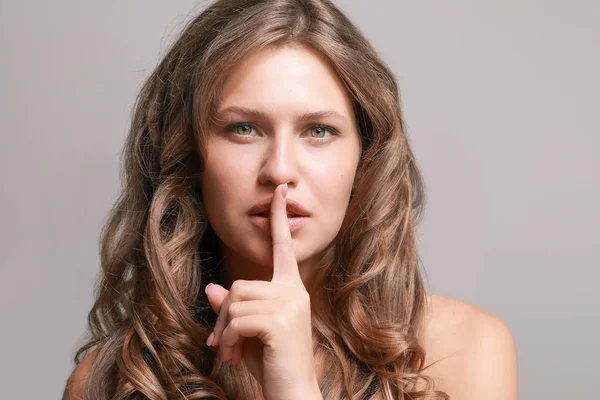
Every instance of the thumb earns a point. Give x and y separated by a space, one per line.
216 294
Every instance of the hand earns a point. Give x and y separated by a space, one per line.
268 323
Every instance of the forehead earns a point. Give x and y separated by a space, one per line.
286 80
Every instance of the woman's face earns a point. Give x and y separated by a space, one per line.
260 140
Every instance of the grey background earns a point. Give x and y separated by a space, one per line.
501 101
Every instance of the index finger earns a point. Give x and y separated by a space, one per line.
285 266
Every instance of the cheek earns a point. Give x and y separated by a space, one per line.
223 182
332 178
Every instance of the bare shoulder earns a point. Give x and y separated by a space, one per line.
76 382
470 352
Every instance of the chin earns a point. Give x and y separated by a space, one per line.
261 252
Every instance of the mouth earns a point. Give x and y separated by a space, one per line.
260 215
263 222
293 208
267 215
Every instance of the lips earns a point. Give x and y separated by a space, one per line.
263 222
267 215
293 208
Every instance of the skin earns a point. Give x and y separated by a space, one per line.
472 351
244 166
464 343
314 161
273 314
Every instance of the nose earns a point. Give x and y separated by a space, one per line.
279 161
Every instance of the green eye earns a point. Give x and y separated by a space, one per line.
243 129
320 130
323 133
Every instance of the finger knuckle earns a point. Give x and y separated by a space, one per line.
235 309
278 242
297 308
284 240
304 298
281 322
301 301
235 324
238 285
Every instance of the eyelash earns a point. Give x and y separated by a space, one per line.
233 127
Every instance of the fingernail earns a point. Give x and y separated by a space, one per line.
206 288
284 191
210 339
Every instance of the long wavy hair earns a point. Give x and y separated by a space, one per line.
151 317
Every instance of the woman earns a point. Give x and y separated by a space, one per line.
263 246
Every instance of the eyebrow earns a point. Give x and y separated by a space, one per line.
307 116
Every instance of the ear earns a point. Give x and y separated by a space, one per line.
216 294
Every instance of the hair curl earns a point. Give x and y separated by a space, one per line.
151 317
